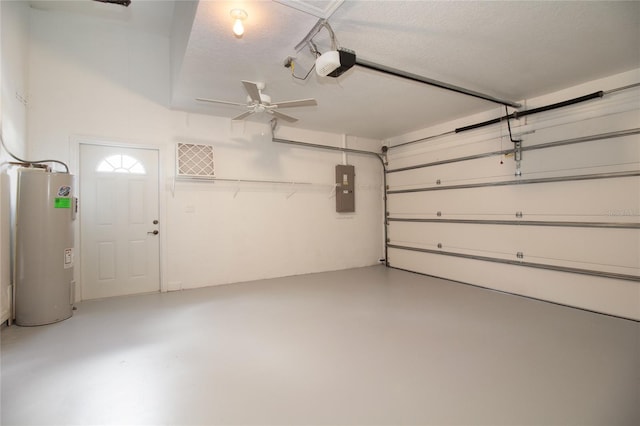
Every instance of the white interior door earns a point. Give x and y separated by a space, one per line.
120 250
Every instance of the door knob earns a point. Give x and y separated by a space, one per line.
154 232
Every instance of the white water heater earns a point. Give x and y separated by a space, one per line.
45 211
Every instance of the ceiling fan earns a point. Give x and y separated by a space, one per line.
259 102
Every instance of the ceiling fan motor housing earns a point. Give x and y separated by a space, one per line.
264 99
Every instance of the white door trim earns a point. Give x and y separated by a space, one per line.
74 167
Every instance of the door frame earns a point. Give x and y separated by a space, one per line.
74 167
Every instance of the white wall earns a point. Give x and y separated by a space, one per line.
92 81
605 200
239 232
14 46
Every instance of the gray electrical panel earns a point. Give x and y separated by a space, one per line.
345 189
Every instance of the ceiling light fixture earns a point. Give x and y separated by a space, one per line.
238 15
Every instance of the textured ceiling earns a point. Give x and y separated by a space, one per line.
512 50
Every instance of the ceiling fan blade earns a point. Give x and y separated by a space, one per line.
242 116
252 90
300 102
283 116
215 101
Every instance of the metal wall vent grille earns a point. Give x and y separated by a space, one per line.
194 160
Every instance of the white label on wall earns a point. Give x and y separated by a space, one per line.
68 258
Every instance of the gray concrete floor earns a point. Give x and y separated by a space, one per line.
364 346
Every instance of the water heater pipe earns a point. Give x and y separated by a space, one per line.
27 162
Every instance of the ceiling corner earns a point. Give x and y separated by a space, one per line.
319 9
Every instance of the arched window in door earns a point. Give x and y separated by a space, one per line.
121 163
